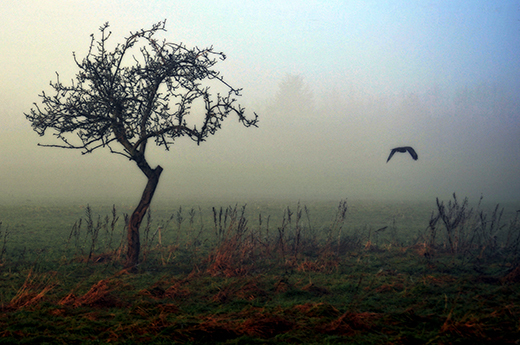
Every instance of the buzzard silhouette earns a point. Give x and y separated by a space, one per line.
403 149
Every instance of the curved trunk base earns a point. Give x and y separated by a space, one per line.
134 245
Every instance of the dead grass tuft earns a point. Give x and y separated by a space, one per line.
327 263
100 296
316 290
350 323
282 286
513 276
393 287
176 289
232 258
248 290
102 258
251 291
317 310
169 308
215 329
266 326
440 280
32 291
467 328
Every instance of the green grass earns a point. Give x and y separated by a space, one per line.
316 279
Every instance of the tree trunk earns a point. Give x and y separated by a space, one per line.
134 246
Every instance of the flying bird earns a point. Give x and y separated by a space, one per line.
403 149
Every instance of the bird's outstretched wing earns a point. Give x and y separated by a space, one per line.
412 152
391 154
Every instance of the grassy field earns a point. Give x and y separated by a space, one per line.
268 272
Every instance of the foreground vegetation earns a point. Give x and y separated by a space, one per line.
235 276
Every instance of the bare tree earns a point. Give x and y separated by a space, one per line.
123 101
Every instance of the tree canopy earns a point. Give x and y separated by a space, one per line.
129 99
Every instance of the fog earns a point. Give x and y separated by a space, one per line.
336 85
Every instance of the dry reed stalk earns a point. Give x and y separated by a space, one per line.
170 250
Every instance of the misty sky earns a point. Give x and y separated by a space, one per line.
336 84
